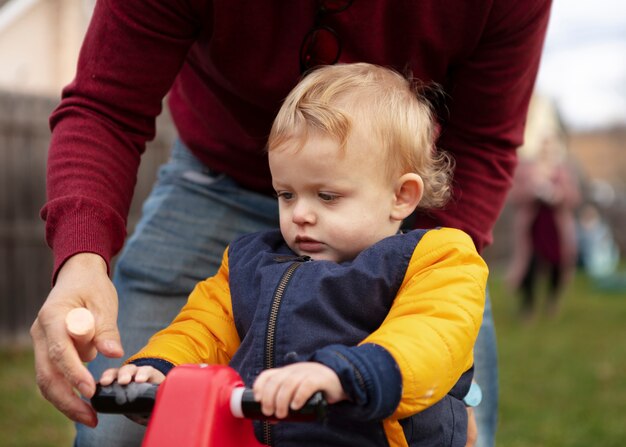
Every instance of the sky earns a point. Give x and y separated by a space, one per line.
583 67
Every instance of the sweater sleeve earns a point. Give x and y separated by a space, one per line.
434 321
129 59
489 95
203 332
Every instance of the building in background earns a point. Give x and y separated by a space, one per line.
543 121
39 43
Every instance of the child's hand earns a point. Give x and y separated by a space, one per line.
280 389
128 373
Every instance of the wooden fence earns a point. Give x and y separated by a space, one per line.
25 259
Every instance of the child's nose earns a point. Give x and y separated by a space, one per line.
303 213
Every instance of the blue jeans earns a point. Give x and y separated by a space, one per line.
189 218
486 374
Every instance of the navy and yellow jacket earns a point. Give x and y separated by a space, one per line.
397 324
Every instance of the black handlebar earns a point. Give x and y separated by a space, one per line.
136 400
313 410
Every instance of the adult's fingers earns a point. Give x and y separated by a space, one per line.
104 306
52 342
107 337
83 282
54 385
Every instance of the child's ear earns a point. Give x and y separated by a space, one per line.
408 193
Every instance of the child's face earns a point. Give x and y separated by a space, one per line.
333 204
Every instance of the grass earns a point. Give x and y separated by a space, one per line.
562 382
27 419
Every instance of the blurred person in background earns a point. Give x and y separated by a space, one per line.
599 254
545 196
227 65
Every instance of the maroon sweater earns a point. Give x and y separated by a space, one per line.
228 64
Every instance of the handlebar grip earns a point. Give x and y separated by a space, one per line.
132 399
137 399
244 405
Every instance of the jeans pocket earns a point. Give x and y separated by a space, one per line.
202 178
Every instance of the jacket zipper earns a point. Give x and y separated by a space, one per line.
270 337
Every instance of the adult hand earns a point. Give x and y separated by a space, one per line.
472 428
81 282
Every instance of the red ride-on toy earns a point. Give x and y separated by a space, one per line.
196 406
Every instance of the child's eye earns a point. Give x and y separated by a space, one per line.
327 197
284 195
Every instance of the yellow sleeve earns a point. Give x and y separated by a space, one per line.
434 320
204 330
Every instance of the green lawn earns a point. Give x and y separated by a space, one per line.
27 419
563 382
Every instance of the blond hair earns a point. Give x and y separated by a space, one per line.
333 99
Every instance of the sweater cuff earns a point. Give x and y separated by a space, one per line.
162 365
82 227
369 375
